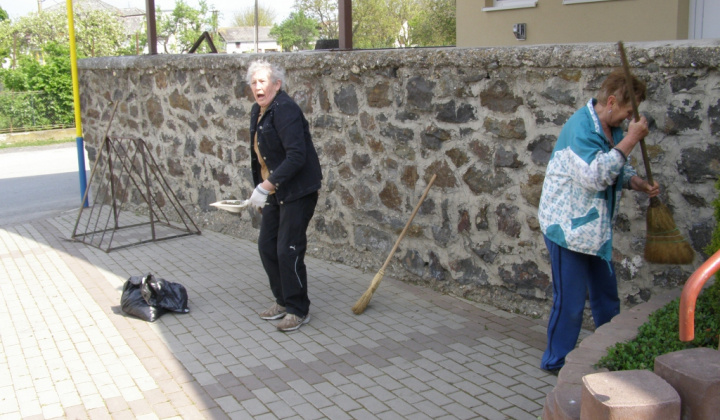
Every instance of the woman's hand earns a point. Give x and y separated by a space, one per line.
639 184
260 194
267 186
637 130
259 197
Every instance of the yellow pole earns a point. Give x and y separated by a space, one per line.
76 102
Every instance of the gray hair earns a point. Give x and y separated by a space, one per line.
274 72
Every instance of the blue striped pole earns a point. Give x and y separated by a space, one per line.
76 100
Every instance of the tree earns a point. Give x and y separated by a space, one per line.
387 23
325 12
179 30
434 25
6 40
382 23
55 80
296 32
38 45
266 16
98 33
30 33
136 42
52 78
3 14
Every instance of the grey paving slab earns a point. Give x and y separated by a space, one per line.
67 350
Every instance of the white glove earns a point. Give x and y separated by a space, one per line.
258 197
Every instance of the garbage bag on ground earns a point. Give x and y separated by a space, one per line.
148 297
164 294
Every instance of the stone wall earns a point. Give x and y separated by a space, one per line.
484 120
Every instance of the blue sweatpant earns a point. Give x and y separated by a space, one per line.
573 276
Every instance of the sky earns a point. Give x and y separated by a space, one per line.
227 8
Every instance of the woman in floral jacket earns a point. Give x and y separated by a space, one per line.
580 199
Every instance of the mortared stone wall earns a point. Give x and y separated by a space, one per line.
384 121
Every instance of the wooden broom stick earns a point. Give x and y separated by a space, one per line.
664 244
636 114
362 303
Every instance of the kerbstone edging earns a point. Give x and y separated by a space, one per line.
563 402
629 394
695 374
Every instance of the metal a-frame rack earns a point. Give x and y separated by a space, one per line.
127 178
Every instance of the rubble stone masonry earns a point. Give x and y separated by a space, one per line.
384 121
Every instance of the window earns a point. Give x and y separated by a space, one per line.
508 4
581 1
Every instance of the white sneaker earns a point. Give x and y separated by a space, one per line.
292 322
274 312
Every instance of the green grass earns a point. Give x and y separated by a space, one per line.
7 144
659 335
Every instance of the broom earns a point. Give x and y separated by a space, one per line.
362 303
664 244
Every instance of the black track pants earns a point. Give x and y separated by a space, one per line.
282 244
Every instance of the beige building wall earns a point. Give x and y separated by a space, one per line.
552 22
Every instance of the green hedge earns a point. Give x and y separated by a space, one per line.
29 111
659 335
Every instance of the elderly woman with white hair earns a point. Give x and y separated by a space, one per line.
286 172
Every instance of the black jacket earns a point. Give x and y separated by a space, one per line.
286 146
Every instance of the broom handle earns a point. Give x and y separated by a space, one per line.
407 225
633 100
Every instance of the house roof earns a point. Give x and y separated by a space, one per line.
133 18
245 34
98 5
84 4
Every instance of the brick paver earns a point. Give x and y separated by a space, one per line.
69 351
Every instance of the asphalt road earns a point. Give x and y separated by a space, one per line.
38 182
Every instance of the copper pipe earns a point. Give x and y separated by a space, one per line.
690 292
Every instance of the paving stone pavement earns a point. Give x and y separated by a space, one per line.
68 351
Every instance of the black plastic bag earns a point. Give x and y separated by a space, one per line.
164 294
133 303
148 298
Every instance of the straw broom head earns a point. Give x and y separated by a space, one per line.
364 300
664 243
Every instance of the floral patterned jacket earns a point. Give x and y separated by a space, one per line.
583 186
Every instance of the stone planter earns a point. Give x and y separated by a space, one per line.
564 401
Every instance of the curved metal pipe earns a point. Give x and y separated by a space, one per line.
690 292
